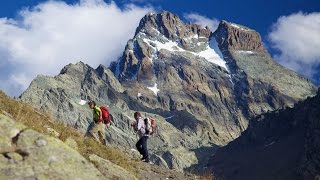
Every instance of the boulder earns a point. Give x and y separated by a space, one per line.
27 154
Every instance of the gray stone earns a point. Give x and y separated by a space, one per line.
36 156
41 142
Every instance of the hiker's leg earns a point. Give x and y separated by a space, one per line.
139 146
145 152
94 132
102 133
101 138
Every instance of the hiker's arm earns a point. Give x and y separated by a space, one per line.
134 126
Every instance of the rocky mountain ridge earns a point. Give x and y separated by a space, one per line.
202 87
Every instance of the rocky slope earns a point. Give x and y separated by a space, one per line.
26 154
268 84
61 152
282 144
202 88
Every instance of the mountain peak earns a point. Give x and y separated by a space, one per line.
77 67
233 36
165 22
170 25
159 31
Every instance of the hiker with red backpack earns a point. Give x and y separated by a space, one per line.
101 117
143 133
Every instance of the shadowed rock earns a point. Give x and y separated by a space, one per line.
277 145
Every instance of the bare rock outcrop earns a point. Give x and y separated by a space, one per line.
27 154
237 37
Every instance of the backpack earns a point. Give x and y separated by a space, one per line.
150 126
106 116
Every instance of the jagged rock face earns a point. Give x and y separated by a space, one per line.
170 26
203 92
26 154
232 36
60 95
164 28
263 84
108 76
278 145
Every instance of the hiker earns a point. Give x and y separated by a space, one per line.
141 145
98 129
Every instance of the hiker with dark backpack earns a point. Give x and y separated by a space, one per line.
141 145
101 117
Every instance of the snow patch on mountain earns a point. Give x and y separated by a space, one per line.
237 26
154 89
212 52
82 102
195 36
246 52
157 45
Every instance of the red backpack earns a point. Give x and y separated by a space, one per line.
106 116
150 126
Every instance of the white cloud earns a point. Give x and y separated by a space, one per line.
297 37
202 20
52 34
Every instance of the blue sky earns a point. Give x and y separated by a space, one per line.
37 39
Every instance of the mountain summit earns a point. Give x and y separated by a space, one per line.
156 32
202 87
